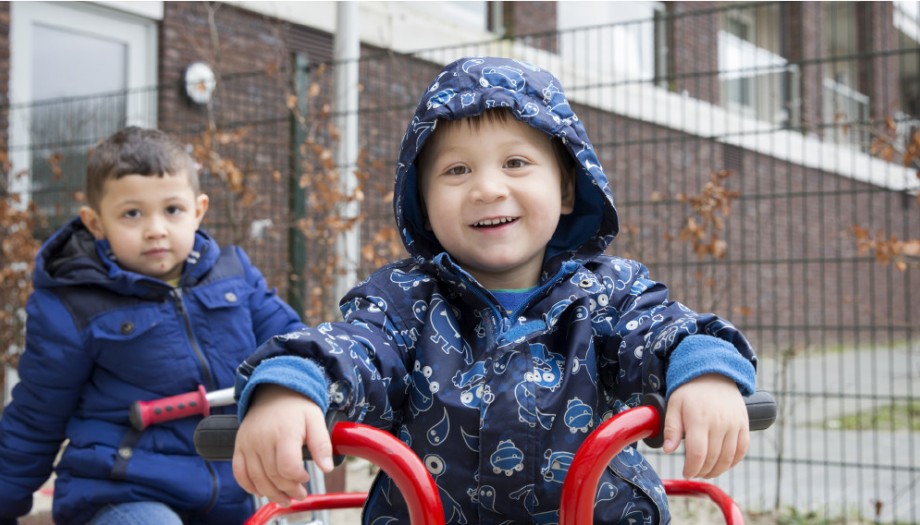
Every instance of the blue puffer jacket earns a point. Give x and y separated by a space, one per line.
100 338
496 404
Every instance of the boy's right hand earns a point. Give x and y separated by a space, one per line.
268 458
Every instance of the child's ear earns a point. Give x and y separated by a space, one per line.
568 193
201 207
92 222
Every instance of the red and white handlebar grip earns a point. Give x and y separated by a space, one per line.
146 413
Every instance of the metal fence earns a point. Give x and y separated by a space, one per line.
787 140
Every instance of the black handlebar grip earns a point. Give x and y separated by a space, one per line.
215 437
761 409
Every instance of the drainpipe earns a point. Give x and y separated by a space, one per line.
347 52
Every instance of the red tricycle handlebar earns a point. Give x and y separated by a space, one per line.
216 435
592 458
643 422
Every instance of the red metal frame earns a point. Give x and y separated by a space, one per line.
422 496
600 447
686 487
580 487
336 500
390 454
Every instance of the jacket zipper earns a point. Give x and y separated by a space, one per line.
214 483
208 379
563 270
202 361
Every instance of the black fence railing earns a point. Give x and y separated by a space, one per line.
813 262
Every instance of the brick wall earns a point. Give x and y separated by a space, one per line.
875 36
805 25
252 55
786 214
535 19
791 275
694 37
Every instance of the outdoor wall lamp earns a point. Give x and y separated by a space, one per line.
199 82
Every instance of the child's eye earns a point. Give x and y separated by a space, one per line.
132 214
457 170
173 210
515 163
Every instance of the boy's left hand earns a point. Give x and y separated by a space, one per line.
709 413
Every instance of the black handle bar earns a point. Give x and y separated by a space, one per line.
761 409
215 436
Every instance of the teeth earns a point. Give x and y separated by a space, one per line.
494 222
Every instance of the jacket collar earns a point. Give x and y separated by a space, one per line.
73 257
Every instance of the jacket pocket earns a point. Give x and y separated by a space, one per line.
224 325
124 324
231 293
143 346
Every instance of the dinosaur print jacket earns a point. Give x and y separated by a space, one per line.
496 403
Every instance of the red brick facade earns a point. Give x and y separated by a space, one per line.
790 252
533 21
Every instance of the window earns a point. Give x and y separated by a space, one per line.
467 14
627 27
907 18
846 109
495 18
662 47
738 36
907 21
753 75
76 75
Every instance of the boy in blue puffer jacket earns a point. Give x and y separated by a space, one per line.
132 302
508 335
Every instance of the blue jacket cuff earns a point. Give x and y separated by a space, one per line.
698 355
295 373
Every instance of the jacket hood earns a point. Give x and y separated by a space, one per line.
470 86
72 256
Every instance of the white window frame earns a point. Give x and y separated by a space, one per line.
138 33
730 44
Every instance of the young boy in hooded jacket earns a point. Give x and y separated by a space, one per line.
508 335
132 302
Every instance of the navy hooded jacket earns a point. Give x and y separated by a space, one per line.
98 339
496 404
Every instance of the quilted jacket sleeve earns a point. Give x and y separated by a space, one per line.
362 361
52 372
650 326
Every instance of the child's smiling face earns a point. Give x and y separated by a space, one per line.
493 191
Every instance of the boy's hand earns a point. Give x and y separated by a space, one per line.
709 413
268 460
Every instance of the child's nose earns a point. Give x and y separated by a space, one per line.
490 186
156 228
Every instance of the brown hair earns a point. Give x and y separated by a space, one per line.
137 151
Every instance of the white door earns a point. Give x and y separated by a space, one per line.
78 72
